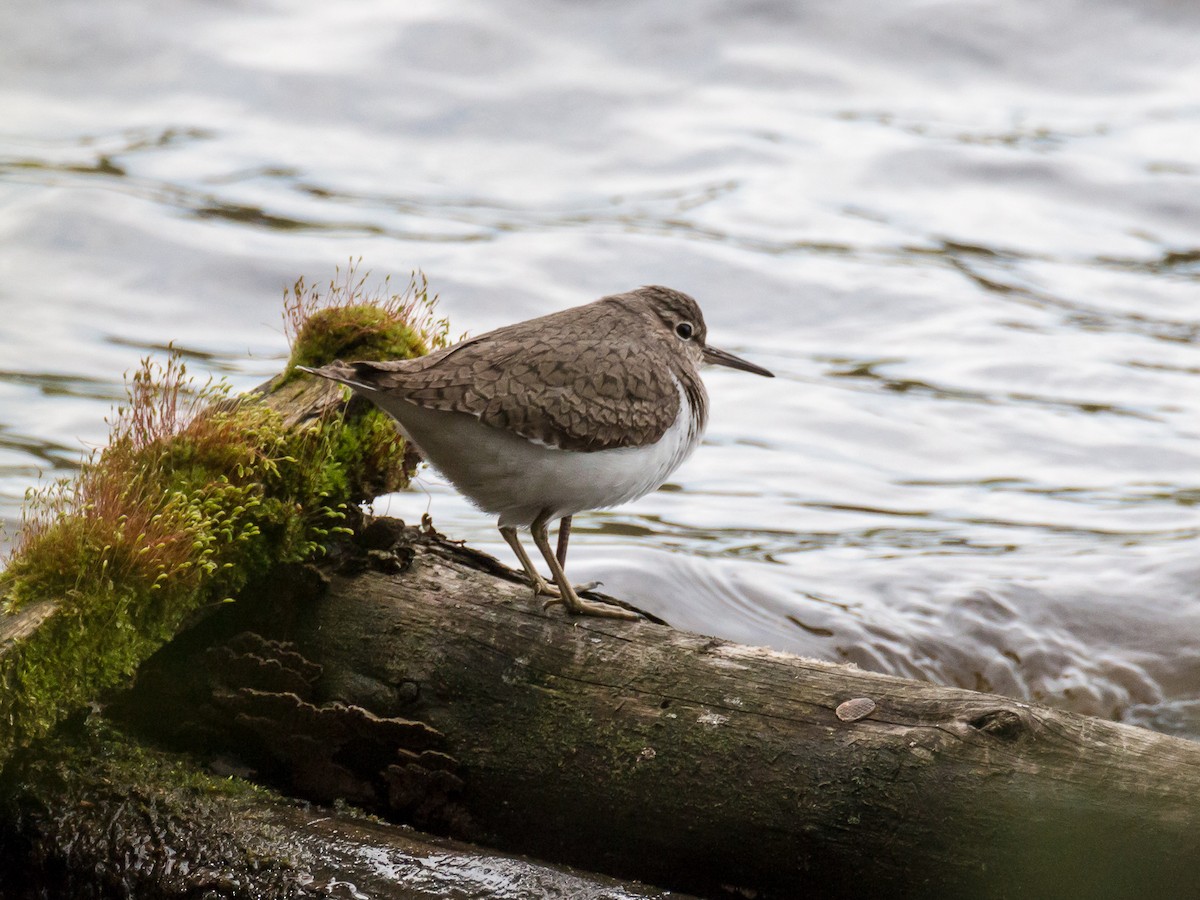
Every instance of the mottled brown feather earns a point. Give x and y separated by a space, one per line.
594 377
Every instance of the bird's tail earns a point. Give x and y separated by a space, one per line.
341 372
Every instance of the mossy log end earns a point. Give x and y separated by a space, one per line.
90 815
681 760
248 482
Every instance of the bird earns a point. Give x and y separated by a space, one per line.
586 408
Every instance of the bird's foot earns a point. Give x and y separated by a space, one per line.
545 589
580 607
605 610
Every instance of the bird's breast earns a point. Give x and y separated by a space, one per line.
517 479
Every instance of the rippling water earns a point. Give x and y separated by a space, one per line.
965 236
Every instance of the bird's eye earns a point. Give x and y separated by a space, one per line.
684 330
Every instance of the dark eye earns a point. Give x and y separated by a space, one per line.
684 330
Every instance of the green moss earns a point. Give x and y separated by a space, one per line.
150 535
196 494
373 437
354 332
350 322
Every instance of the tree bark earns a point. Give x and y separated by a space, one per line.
682 760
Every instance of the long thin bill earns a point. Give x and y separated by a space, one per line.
721 358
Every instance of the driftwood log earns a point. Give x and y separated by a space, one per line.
420 679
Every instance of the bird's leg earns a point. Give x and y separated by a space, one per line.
565 590
540 586
560 552
564 535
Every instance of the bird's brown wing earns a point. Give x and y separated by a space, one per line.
581 381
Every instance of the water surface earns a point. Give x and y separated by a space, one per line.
966 238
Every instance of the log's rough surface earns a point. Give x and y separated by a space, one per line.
682 760
91 815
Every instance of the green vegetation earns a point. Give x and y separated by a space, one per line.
196 494
351 322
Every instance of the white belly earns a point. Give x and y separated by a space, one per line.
517 480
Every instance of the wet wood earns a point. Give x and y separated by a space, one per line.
675 758
90 814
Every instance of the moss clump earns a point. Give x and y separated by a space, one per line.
196 494
354 332
351 322
363 447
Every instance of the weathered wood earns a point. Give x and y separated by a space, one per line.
91 815
682 760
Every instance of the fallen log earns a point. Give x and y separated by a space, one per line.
90 814
418 678
421 679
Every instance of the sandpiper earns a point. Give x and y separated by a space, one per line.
581 409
